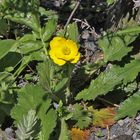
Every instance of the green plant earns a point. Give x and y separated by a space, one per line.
47 107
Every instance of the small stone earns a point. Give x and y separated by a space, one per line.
9 132
129 132
127 120
56 3
121 122
138 117
134 136
85 34
123 137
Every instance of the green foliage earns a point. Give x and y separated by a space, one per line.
42 106
131 87
64 134
34 98
110 1
130 106
45 75
4 27
72 32
11 59
81 116
48 124
114 48
107 80
26 126
49 29
5 46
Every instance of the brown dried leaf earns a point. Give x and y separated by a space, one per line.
103 117
77 134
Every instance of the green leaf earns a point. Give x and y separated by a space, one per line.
64 134
3 27
81 116
49 29
28 128
5 46
48 13
61 85
29 19
30 46
130 106
45 71
11 59
30 97
6 83
48 124
110 1
72 31
132 30
27 38
131 87
114 48
107 80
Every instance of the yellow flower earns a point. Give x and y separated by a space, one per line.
62 50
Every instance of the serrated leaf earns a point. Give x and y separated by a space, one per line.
45 71
48 124
5 46
30 97
132 30
49 29
30 20
107 80
114 48
64 133
72 31
130 106
82 117
27 127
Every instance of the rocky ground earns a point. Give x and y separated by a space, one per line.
125 129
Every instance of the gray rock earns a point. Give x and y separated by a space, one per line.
134 136
9 132
129 132
121 122
123 137
138 117
85 34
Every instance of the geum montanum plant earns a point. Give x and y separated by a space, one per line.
42 109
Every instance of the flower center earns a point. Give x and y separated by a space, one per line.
66 51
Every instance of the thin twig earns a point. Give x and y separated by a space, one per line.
72 13
104 100
85 24
108 133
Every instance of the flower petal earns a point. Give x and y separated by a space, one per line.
73 47
77 57
56 60
56 42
